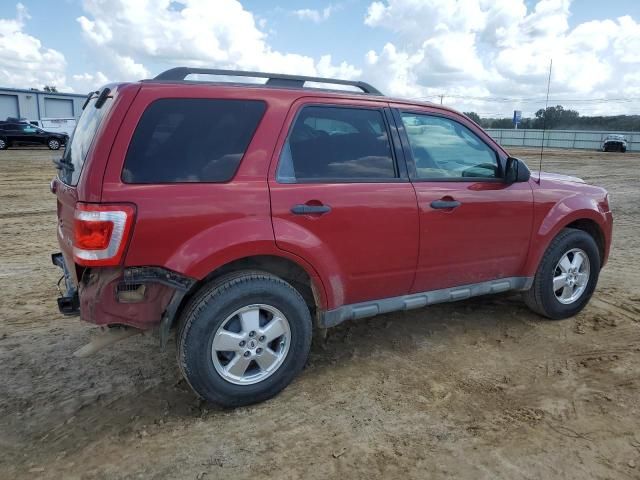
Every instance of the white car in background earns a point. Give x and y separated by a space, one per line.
614 143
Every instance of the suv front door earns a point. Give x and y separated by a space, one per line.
474 227
341 200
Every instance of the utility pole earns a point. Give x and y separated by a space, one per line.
441 97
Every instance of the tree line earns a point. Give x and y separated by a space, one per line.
47 88
559 118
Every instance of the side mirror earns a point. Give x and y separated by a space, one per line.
516 171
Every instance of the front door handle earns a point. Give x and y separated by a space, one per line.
310 209
441 204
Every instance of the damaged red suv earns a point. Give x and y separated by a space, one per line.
243 215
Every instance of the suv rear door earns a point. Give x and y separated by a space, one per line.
474 227
341 199
80 152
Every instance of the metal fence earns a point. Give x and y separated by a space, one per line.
584 139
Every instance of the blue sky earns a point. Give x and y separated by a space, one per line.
408 48
343 34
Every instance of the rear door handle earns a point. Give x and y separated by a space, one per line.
310 209
440 204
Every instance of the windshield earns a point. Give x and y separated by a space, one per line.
78 145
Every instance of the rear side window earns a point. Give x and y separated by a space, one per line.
191 140
335 143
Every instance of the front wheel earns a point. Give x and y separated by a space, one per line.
243 340
53 144
3 144
566 277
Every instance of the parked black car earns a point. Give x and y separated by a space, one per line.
26 134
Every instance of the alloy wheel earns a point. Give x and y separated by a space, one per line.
571 276
251 344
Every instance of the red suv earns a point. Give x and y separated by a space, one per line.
243 215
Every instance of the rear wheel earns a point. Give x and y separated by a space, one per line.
243 340
3 144
53 144
566 276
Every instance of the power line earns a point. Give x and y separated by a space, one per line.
533 99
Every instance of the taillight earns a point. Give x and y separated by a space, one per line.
100 233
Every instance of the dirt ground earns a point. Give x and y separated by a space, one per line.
478 389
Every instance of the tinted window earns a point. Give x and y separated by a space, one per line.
339 144
443 148
191 140
78 146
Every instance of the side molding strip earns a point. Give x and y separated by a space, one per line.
331 318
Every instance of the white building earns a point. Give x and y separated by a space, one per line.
51 111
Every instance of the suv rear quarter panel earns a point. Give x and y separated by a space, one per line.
194 228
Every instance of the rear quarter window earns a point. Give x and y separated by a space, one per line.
81 139
191 140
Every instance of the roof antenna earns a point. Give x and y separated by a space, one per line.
544 121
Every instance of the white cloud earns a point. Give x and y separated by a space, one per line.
131 36
86 82
24 61
476 48
464 49
316 16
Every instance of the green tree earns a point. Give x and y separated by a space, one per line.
473 116
555 117
502 123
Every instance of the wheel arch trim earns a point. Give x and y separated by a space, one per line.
557 219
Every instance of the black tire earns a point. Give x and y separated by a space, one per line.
206 312
53 144
540 297
623 149
4 144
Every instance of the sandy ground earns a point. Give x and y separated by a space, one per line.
478 389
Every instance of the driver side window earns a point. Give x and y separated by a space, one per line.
445 149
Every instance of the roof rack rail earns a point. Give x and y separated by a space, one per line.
274 79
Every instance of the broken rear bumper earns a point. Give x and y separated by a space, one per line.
69 300
140 297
